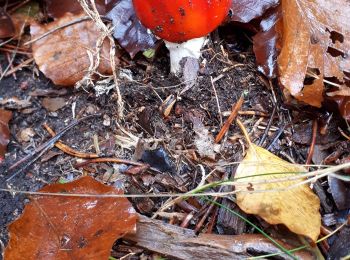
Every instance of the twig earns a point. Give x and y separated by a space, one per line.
262 140
212 221
106 32
313 141
230 119
111 160
68 150
19 66
279 133
18 6
205 216
39 151
252 113
343 133
217 99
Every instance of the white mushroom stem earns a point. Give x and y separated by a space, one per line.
178 51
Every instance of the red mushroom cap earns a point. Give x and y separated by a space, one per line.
181 20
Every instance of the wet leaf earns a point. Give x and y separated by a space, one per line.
159 159
128 30
265 42
7 29
296 208
340 191
340 249
58 8
54 227
5 117
63 55
246 10
25 15
315 36
343 103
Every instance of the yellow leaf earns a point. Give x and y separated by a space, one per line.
297 207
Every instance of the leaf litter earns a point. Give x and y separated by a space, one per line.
203 141
71 227
66 56
5 117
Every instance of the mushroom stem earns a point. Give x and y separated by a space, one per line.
178 51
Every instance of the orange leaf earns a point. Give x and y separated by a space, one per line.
63 55
315 36
5 117
56 227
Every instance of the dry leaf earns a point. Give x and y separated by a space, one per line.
53 104
315 36
63 55
5 117
296 208
54 227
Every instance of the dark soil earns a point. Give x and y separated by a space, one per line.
174 136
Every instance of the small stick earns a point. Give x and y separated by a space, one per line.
313 142
14 51
205 216
217 99
266 132
279 133
40 150
68 150
110 160
230 119
187 220
212 221
343 133
18 67
252 113
11 65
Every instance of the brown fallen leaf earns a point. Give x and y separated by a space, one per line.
343 103
63 55
246 10
315 36
24 16
58 8
5 117
56 227
7 29
296 208
264 44
53 104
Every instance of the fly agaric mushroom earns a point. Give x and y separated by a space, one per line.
182 24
